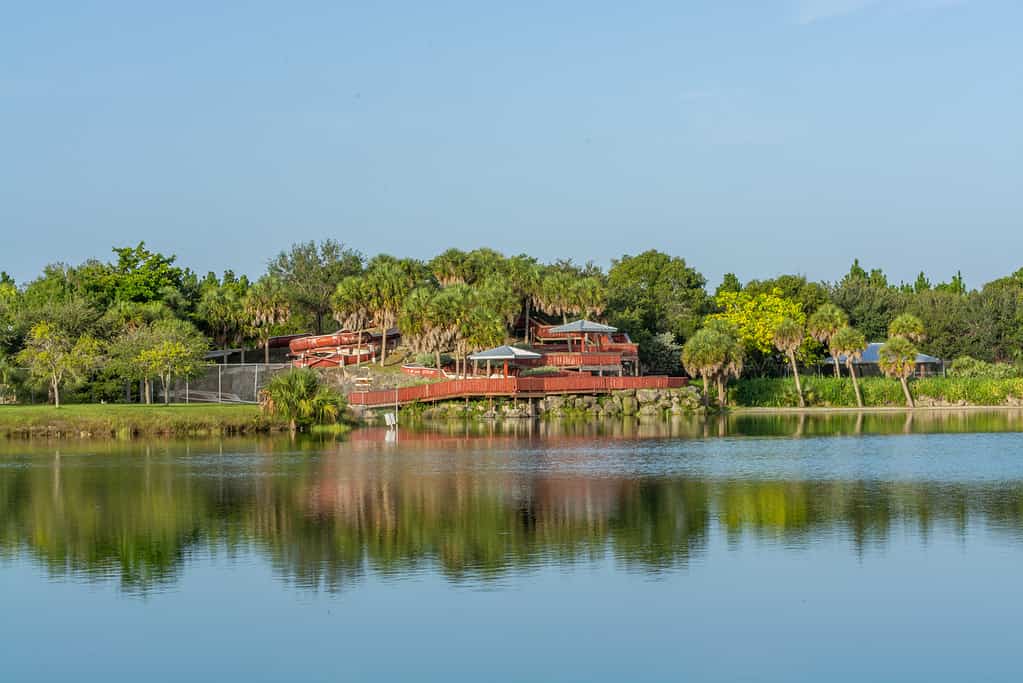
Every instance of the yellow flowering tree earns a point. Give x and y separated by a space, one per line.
757 316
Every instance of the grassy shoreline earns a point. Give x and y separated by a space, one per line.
878 393
82 421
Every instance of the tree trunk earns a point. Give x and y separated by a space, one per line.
266 352
706 393
436 355
795 376
528 311
166 389
56 393
383 346
856 386
838 371
721 390
905 390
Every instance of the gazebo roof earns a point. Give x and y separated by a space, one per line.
583 327
871 355
505 353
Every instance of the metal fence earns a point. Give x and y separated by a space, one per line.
234 383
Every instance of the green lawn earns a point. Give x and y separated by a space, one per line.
111 420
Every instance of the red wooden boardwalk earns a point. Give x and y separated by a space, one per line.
523 387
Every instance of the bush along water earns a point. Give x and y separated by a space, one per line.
302 400
777 392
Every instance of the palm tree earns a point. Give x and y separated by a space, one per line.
705 354
415 320
484 330
788 336
452 308
221 308
589 297
909 327
351 308
735 355
851 343
299 397
556 292
387 284
496 293
524 273
266 307
449 267
897 358
824 324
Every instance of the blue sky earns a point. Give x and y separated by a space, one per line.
757 137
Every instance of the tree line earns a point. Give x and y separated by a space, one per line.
141 318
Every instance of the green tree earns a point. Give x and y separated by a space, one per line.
141 274
851 343
870 303
825 322
7 371
897 358
53 357
809 295
788 335
311 274
653 292
298 397
729 283
267 308
166 360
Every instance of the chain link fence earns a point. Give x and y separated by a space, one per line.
235 383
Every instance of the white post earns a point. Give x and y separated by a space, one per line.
186 390
255 384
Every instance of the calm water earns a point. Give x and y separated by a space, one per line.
877 547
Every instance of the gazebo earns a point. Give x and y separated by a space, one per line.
506 354
583 329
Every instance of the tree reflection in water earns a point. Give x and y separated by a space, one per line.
472 501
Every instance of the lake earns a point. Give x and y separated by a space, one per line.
843 547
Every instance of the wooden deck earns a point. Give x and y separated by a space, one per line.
515 387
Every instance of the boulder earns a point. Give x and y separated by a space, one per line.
629 405
648 395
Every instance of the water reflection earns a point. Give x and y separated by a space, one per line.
477 501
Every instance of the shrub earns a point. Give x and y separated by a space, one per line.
429 360
778 392
299 397
965 366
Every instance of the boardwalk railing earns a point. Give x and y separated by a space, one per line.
565 359
509 386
